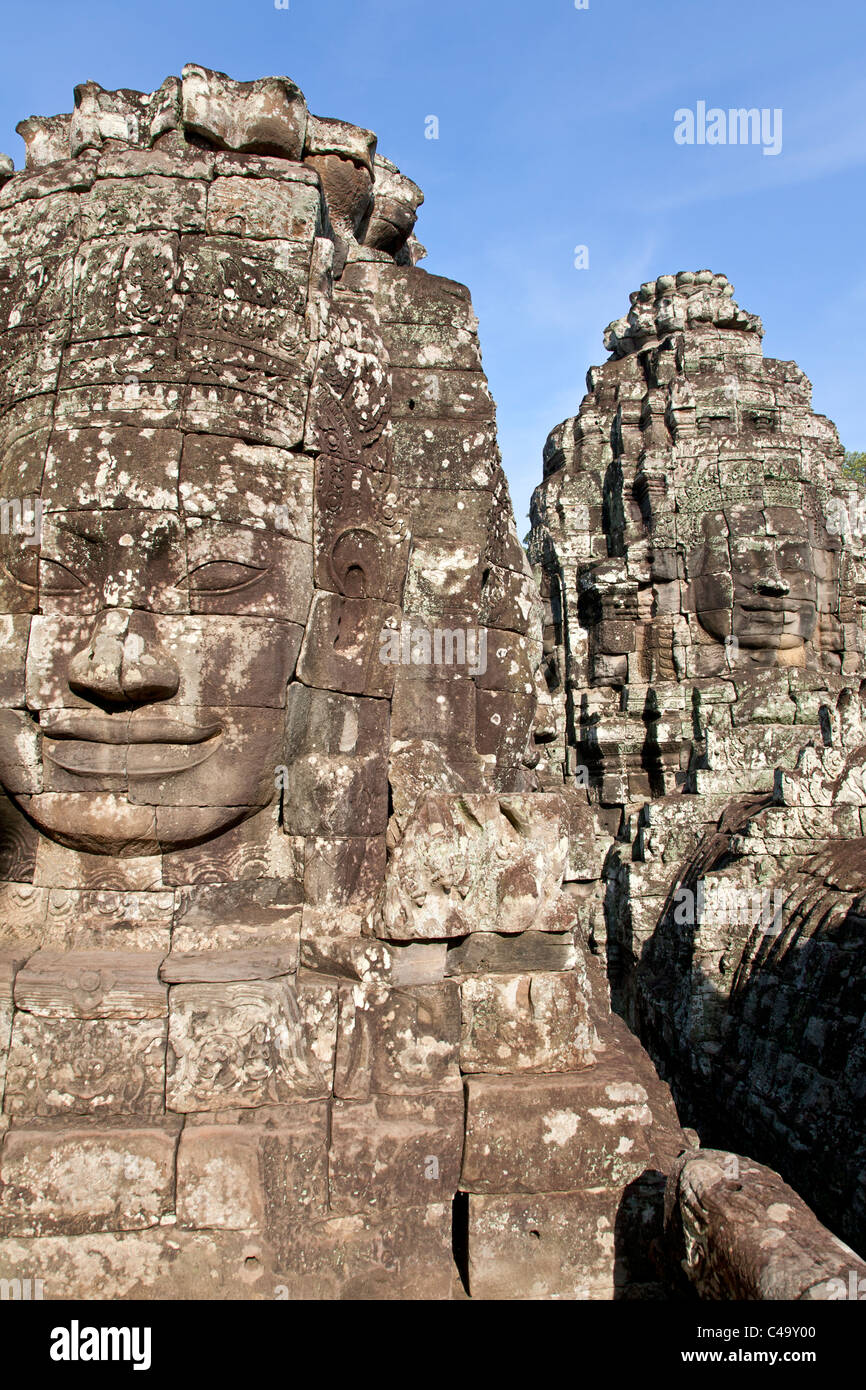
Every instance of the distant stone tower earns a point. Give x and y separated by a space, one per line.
681 532
705 591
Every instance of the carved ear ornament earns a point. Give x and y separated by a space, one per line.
359 563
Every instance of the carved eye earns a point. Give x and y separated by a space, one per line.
223 577
23 568
55 578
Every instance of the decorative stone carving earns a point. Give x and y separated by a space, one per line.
239 412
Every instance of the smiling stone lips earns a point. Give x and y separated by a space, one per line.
90 746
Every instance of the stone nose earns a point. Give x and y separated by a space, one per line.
773 585
770 580
123 662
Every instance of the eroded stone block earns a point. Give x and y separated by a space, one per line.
477 863
397 1041
518 1023
593 1245
247 1044
76 1180
393 1152
399 1255
93 1066
557 1133
92 984
485 953
236 1176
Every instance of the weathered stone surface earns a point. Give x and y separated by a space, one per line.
135 1265
780 1053
525 1023
337 795
10 963
92 984
395 1042
403 1254
742 1233
76 1180
257 848
337 783
246 484
235 1176
344 954
588 843
24 910
577 1245
255 919
477 864
441 710
703 644
228 966
296 747
248 1044
490 952
152 203
266 115
558 1133
343 645
395 1151
73 1066
418 962
339 872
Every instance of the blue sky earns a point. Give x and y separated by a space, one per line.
555 130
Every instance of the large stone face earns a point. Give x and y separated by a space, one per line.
205 383
688 532
260 537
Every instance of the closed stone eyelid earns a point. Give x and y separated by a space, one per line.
16 579
256 572
77 581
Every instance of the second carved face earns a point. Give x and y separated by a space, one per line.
764 576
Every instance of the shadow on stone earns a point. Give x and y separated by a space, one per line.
643 1265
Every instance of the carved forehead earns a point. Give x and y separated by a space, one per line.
213 476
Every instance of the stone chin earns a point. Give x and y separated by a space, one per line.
110 824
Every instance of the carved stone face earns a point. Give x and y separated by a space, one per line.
755 577
173 582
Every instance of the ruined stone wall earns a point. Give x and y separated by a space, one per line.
757 1014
